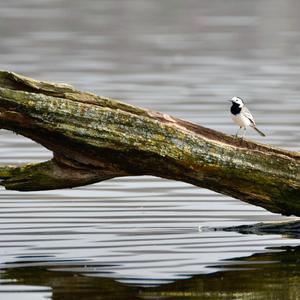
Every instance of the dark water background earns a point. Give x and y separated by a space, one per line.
144 237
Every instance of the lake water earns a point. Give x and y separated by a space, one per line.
145 237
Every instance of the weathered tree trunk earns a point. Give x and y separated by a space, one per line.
95 138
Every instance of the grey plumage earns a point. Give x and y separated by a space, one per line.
246 112
260 132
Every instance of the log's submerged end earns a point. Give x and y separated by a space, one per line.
95 138
290 228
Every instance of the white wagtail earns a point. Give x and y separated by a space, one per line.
241 116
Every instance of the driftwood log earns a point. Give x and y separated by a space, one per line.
94 138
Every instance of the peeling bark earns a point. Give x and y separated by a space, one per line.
94 138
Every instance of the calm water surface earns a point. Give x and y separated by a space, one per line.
144 237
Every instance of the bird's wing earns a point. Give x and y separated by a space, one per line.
246 112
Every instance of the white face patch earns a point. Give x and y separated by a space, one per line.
238 101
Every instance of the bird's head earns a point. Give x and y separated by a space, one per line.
238 101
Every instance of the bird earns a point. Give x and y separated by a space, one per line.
242 116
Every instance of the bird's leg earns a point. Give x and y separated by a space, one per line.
244 133
237 133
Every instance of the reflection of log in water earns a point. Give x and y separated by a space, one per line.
273 275
249 278
94 138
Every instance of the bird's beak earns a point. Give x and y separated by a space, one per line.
229 101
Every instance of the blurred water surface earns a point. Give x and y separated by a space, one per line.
185 58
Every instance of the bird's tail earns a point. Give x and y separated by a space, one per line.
260 132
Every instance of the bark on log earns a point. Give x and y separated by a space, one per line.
94 138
